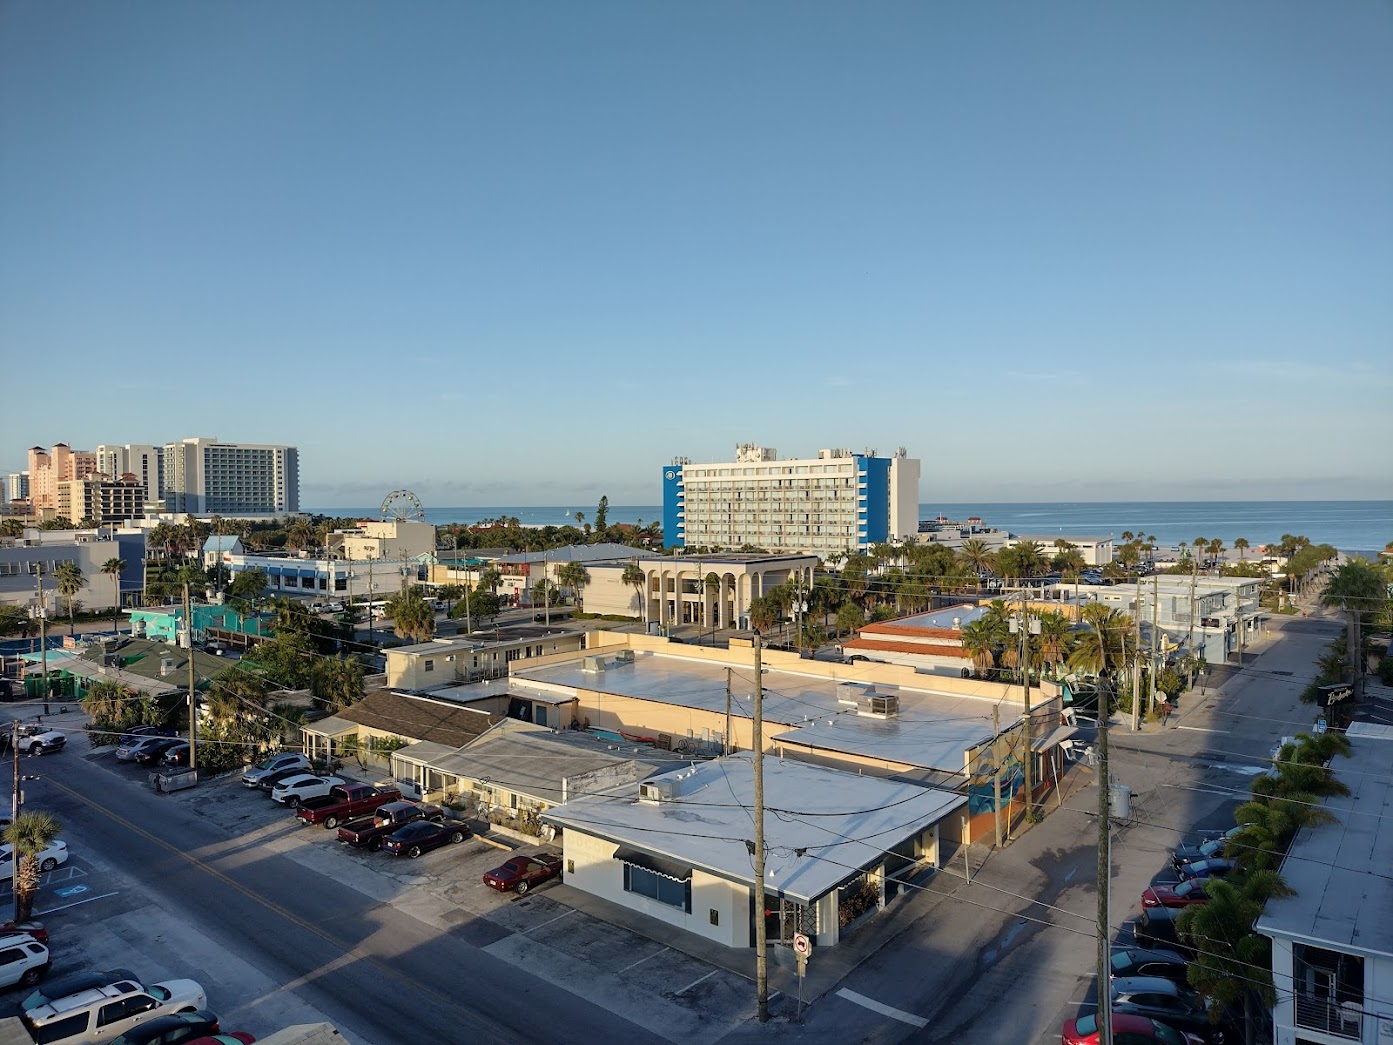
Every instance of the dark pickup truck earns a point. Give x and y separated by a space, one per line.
368 832
343 802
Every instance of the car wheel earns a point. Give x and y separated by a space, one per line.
414 852
36 749
292 802
375 845
522 888
31 977
48 864
457 837
331 822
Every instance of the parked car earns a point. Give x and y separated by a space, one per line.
130 747
368 832
236 1037
272 780
521 873
1084 1031
1181 894
1133 961
1216 867
343 802
1189 854
1232 832
421 836
24 961
1175 1005
75 983
119 1006
253 776
150 754
30 928
176 754
1156 929
55 853
295 789
146 731
38 739
174 1029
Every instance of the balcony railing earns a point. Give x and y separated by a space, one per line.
1322 1014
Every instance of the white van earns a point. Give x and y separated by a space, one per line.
104 1013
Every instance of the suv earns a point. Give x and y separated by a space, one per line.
294 789
1168 1002
106 1012
38 739
274 764
75 983
23 961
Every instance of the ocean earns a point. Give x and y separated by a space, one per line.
1363 527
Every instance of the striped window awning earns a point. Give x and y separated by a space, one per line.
663 868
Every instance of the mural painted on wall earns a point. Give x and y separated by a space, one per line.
982 761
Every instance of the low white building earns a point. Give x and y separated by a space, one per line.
1332 940
928 642
838 847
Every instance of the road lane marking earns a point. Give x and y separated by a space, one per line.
700 979
1201 729
643 959
883 1009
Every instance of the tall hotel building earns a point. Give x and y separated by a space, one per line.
206 477
836 502
144 462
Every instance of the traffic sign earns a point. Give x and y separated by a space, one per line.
802 945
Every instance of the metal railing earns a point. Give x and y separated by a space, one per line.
1322 1014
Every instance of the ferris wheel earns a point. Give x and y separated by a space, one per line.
401 505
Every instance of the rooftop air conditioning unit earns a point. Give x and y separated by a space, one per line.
658 791
592 664
624 656
853 694
166 666
880 705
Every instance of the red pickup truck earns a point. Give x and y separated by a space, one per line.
343 802
368 832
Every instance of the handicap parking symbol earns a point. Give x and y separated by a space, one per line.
71 890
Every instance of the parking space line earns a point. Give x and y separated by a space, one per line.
655 954
569 910
75 903
708 976
883 1009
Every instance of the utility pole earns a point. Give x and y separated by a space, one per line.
546 589
193 702
1191 651
1136 666
1155 637
16 801
996 769
728 746
1104 883
1027 625
43 634
761 930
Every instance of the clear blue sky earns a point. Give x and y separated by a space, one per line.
526 253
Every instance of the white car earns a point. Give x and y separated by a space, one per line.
294 790
23 961
55 854
39 739
104 1013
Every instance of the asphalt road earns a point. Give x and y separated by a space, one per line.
381 975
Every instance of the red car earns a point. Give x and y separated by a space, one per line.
34 929
1182 894
521 873
1084 1031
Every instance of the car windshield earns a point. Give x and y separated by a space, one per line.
162 993
1086 1024
1167 1034
1185 888
1121 960
266 763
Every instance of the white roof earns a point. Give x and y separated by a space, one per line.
821 825
1340 871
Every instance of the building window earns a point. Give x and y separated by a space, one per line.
658 887
430 665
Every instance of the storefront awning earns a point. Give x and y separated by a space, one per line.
1054 738
666 868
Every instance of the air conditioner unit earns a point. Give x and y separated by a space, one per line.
881 705
166 666
624 656
658 791
592 664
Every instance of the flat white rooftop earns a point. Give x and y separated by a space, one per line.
931 731
943 619
821 825
1340 871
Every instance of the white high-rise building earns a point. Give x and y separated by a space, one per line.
17 486
144 462
836 502
206 477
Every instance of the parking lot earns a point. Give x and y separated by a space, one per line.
675 995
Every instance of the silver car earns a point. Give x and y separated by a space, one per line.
286 760
294 790
132 747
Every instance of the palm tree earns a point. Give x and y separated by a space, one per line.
978 555
575 576
337 682
979 642
1357 589
634 576
112 568
764 613
70 581
107 703
1105 644
1055 635
11 528
1241 545
412 618
1216 548
30 834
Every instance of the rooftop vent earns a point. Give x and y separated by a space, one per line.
624 656
594 665
166 666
